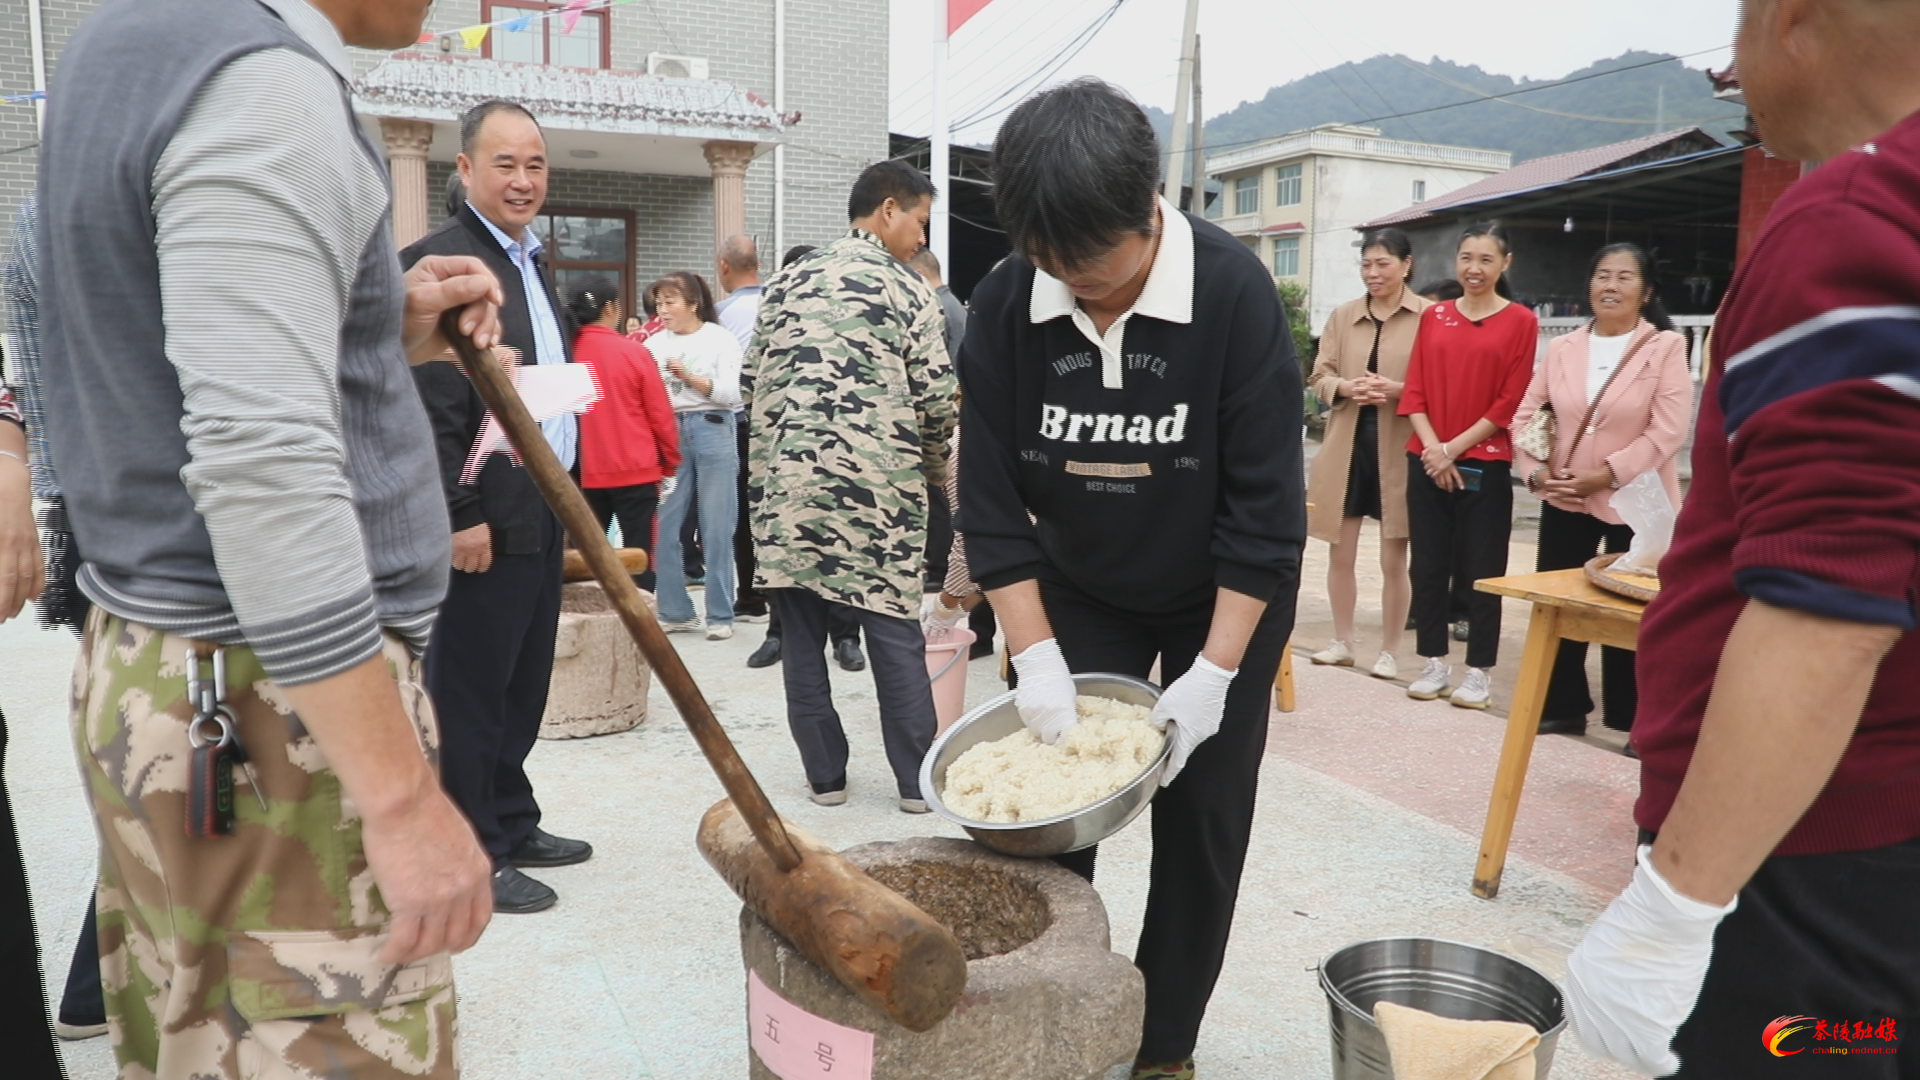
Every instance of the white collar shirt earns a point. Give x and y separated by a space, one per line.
1167 295
549 347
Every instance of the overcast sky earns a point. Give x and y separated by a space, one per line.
1250 45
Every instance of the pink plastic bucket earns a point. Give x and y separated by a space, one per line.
947 671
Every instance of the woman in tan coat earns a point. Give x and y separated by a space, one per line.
1361 470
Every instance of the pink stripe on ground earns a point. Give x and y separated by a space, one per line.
1576 811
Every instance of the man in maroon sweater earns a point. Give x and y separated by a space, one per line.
1775 910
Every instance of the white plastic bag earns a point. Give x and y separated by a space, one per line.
1643 504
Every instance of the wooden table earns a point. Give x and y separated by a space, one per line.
1566 607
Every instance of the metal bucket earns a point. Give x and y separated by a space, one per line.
1445 978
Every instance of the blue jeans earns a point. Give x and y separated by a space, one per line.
709 469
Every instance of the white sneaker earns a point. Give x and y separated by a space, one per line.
737 617
685 626
719 631
1386 667
1475 690
912 806
1433 679
1336 654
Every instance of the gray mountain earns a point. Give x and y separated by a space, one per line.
1638 100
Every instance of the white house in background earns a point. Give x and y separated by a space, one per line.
1295 199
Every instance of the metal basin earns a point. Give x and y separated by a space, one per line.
1446 978
1055 835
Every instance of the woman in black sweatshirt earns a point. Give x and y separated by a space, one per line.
1131 491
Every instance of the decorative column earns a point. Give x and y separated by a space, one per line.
407 142
729 161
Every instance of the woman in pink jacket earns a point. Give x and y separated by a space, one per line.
1622 398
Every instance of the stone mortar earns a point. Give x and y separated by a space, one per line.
600 680
1046 997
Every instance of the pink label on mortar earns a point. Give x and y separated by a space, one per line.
798 1045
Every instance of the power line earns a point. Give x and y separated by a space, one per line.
1501 97
1049 68
1443 80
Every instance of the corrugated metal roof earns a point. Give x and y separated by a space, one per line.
1540 172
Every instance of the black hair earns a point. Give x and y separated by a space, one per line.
690 287
1498 233
1441 289
1652 308
884 180
472 120
795 254
1394 242
456 193
586 301
1075 169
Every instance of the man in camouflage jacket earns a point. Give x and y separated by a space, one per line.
851 400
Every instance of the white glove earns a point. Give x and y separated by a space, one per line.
1046 692
1636 976
667 486
937 620
1194 704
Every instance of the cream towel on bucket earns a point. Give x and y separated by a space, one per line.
1428 1047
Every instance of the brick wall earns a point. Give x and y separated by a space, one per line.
1763 180
18 128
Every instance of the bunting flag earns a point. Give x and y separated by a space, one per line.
517 26
22 99
959 11
472 36
570 17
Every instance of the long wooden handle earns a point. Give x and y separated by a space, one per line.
523 431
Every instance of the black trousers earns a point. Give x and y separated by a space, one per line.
896 652
487 667
26 1031
1203 821
1832 937
1568 540
939 538
83 1002
747 600
843 623
634 507
1458 536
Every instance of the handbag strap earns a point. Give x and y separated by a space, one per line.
1586 422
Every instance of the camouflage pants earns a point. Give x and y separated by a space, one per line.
254 954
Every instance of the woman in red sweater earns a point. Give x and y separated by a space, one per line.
1469 370
629 441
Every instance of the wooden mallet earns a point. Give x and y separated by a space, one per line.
880 946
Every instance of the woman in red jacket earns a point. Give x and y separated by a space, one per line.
1469 369
629 441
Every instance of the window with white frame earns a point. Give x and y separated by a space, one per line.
1286 186
1246 195
1286 256
1419 191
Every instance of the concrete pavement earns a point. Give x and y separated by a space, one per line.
1368 825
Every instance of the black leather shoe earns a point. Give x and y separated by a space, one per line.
767 655
1565 725
847 652
514 893
542 848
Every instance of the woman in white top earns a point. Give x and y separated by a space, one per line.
1622 398
700 361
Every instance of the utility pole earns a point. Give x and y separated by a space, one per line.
1181 98
1197 202
938 164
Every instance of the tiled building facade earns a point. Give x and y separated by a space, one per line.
644 163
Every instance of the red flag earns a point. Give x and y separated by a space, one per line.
959 11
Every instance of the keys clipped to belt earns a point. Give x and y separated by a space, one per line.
214 735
